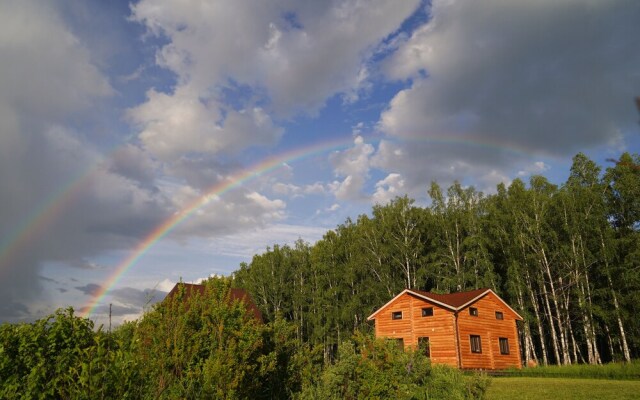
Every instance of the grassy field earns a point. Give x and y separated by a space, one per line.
526 388
623 371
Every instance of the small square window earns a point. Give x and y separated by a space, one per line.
504 345
427 312
473 311
476 344
396 315
499 315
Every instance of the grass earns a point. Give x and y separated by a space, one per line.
620 371
528 388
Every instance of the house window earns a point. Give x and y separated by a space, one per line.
399 342
476 344
427 312
473 311
396 315
499 315
504 345
424 346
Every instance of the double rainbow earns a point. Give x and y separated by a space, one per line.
236 180
51 208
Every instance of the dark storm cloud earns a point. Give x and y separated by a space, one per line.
13 311
552 77
44 278
90 289
51 175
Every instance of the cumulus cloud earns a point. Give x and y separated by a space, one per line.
535 168
297 53
388 188
495 85
173 125
352 164
239 210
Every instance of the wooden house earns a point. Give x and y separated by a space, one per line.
235 294
470 330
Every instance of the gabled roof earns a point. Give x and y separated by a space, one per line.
191 289
452 301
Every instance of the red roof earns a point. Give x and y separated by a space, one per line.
454 300
234 294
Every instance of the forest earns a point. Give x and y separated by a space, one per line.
566 257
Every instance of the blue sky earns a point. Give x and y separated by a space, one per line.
116 115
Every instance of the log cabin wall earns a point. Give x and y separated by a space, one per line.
439 328
490 329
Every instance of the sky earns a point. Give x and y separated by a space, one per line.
146 142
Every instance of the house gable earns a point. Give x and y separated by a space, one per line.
451 301
474 329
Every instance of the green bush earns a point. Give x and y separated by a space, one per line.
61 356
376 369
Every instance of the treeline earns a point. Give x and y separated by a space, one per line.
204 346
565 257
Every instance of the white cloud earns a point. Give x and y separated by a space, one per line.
174 125
237 210
314 188
388 188
165 285
353 165
256 241
536 168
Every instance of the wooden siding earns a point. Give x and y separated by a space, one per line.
439 328
490 331
447 337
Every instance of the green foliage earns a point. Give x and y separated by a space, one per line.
61 356
378 369
204 346
565 257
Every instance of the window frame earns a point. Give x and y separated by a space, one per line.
473 311
427 311
475 341
424 343
396 315
503 342
499 315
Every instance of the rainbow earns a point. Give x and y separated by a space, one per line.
248 174
44 215
235 180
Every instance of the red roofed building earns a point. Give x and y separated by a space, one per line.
470 330
235 294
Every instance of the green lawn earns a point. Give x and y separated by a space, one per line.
561 388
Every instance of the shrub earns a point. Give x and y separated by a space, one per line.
367 368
